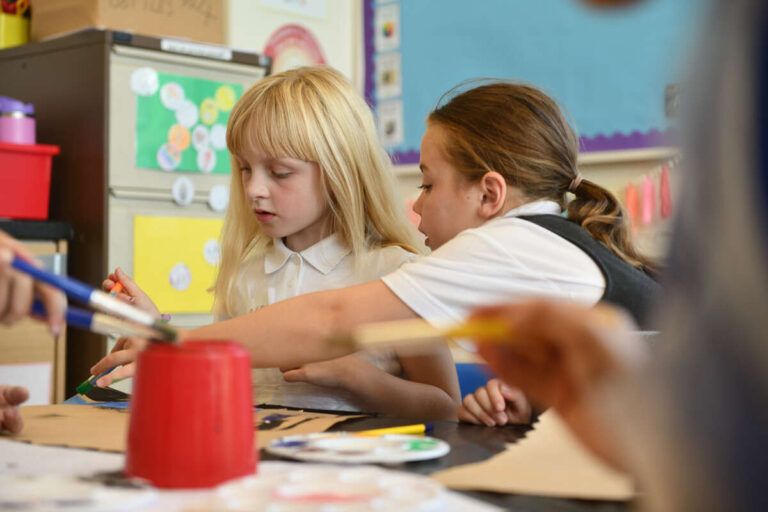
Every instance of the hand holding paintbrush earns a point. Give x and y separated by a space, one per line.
127 320
120 285
17 290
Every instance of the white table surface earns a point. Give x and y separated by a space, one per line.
17 458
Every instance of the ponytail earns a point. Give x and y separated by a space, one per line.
599 212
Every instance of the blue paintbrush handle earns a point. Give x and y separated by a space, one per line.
88 295
75 316
72 287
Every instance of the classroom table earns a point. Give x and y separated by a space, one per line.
475 443
469 443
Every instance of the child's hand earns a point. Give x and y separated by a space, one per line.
17 290
562 355
10 398
131 293
496 404
124 353
331 373
559 353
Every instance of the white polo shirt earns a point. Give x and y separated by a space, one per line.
504 260
281 274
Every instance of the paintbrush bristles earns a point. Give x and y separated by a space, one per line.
169 334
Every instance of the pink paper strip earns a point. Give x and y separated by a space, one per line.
664 193
649 200
632 204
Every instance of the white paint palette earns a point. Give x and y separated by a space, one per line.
348 448
286 488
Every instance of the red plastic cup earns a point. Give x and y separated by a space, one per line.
191 422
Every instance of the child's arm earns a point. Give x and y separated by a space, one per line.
291 332
431 390
295 331
496 403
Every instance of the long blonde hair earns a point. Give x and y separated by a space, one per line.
521 133
312 114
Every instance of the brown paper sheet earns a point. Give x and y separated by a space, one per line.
97 428
77 426
300 422
549 461
199 21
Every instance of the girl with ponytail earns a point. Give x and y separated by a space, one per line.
518 134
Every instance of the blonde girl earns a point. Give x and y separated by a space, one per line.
498 163
313 208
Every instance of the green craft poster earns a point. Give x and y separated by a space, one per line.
181 122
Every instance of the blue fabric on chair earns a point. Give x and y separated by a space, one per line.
472 376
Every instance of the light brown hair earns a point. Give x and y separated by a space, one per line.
521 133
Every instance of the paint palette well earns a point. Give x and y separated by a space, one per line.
344 447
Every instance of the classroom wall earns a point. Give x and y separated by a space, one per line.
341 35
333 23
608 68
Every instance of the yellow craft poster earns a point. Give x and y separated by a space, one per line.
175 260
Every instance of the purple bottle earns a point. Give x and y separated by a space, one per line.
17 121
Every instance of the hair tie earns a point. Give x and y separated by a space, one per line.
575 182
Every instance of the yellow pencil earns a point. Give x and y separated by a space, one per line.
419 333
405 429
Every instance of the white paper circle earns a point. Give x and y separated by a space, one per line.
144 81
183 191
172 95
186 114
201 138
219 136
212 252
206 160
180 277
218 198
168 157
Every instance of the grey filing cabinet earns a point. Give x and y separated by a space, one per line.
80 85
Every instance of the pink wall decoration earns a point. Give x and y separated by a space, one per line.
665 195
631 200
649 200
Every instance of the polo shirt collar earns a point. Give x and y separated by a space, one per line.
325 255
277 255
535 208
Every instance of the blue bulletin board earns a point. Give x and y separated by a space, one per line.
609 68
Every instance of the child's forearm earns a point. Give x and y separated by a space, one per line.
294 331
382 392
288 333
